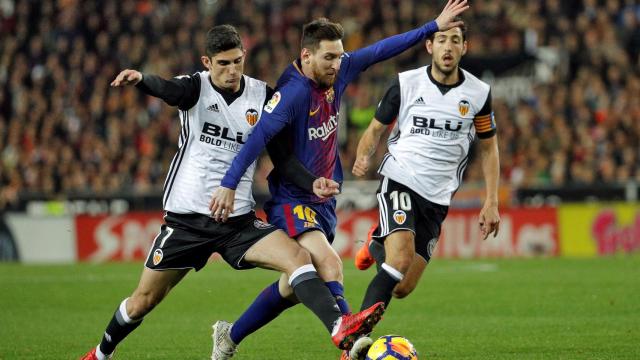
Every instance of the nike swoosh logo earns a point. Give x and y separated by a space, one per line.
311 113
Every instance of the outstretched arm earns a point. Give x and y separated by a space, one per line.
356 62
182 91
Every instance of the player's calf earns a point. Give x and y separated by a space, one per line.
141 303
329 267
411 278
402 291
407 285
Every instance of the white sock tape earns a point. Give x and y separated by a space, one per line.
393 272
301 270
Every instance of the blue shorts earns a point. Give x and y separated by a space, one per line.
296 218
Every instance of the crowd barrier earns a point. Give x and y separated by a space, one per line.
575 230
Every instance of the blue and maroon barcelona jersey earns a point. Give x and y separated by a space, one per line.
308 116
313 136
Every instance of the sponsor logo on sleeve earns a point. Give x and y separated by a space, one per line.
273 102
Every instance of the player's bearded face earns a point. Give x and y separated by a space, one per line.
325 62
226 69
446 49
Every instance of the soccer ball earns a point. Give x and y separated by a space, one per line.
392 347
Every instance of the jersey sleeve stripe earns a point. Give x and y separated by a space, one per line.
173 169
384 160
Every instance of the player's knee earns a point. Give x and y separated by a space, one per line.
300 256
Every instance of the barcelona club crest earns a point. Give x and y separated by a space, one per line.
157 256
251 116
399 217
463 107
330 95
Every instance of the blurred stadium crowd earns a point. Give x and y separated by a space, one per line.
64 131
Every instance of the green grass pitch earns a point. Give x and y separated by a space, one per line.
484 309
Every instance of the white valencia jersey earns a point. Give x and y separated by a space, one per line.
429 144
212 135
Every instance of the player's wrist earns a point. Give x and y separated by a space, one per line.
228 183
140 80
431 27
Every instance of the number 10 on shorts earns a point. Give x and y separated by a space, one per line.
305 214
401 200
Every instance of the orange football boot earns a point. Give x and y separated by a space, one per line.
363 259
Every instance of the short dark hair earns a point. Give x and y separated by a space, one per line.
222 38
318 30
462 27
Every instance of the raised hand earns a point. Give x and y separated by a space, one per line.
127 77
324 188
446 18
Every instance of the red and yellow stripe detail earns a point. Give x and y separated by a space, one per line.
484 123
